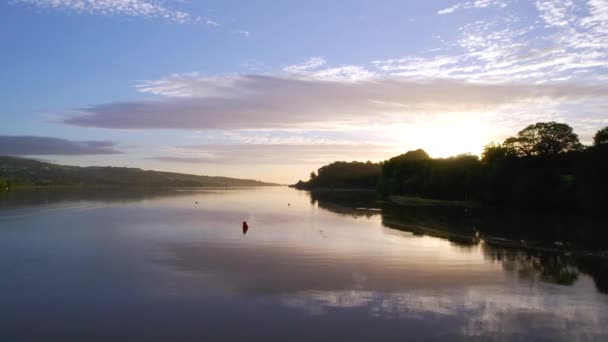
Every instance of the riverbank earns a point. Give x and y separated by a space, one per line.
419 201
397 199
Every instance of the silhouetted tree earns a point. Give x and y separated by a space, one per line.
601 137
543 139
416 174
343 175
418 154
493 153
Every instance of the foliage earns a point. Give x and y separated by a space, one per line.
543 139
418 154
343 175
601 137
494 153
451 178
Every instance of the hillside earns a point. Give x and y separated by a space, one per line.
15 172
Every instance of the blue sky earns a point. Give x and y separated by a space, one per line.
275 89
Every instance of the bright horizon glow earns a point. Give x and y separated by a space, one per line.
210 88
443 138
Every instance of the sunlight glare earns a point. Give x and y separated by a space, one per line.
444 137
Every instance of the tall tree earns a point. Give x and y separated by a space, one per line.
601 137
494 152
543 139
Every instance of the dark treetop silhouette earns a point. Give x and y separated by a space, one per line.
601 137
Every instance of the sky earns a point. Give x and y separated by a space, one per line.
273 90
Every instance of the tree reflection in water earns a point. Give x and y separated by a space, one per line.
549 267
549 248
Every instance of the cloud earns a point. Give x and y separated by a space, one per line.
315 68
134 8
243 33
562 40
194 102
187 160
275 154
208 21
311 64
343 73
556 13
472 4
449 10
34 145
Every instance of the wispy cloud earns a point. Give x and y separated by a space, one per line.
556 13
311 64
316 68
275 154
243 33
449 10
35 145
343 73
135 8
562 41
472 4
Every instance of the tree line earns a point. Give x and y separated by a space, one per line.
343 175
544 166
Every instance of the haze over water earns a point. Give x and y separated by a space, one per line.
160 266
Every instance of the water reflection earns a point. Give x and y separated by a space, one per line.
178 266
480 313
58 196
539 259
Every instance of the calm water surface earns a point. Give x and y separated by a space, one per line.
158 266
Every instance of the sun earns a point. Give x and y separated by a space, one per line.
445 137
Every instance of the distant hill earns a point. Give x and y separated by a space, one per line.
15 172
